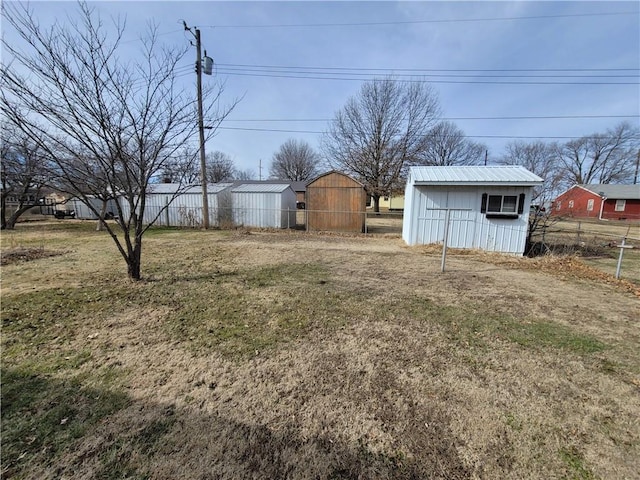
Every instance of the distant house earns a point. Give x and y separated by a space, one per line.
393 202
600 201
487 207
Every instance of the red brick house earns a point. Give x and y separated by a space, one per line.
604 202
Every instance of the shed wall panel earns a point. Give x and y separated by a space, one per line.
424 220
335 202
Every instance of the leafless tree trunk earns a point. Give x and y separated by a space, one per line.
294 161
74 93
379 132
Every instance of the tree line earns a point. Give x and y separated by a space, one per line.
79 119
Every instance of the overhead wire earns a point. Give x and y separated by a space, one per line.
530 137
410 22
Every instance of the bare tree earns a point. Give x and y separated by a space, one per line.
247 174
447 145
182 168
69 89
294 161
602 157
540 158
379 132
23 174
220 167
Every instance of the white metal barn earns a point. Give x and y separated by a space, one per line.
83 212
264 205
185 210
487 206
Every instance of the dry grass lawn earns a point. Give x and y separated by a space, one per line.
271 355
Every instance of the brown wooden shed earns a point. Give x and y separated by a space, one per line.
335 202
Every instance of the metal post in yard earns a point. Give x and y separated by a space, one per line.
578 233
622 246
446 238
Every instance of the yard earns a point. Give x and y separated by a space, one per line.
293 355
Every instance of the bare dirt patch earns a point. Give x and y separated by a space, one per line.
291 355
25 254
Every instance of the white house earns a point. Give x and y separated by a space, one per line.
487 206
264 205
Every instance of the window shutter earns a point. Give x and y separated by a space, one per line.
521 204
483 205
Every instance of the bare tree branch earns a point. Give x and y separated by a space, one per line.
379 132
109 125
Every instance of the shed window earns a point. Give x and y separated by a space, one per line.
590 205
620 204
570 203
502 204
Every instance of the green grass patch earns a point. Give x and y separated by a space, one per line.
253 310
35 320
42 416
119 460
575 464
476 325
548 334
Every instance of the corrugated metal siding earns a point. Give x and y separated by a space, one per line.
424 224
186 209
263 209
84 213
507 174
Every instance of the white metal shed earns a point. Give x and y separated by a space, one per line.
184 204
83 212
264 205
487 206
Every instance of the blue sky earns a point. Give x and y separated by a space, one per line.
574 57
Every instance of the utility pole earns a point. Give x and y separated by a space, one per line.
203 164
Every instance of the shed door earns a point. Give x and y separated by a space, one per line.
431 222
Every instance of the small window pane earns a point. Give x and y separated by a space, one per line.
509 204
495 202
620 204
590 204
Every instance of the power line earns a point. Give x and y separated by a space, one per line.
489 82
464 136
356 69
520 117
303 71
411 22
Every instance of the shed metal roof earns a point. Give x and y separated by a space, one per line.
261 188
626 192
514 175
171 188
